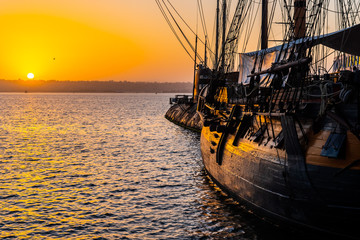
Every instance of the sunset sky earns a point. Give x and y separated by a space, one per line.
92 40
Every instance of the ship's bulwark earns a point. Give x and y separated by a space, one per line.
280 185
185 115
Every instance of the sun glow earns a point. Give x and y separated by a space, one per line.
71 40
30 76
59 48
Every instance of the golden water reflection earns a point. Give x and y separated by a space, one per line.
87 166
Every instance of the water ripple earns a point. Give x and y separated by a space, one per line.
107 166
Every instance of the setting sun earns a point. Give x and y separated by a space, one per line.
30 76
89 40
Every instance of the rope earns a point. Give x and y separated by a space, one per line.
187 40
172 28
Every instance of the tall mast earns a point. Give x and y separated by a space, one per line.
223 36
264 25
195 88
205 57
217 34
299 18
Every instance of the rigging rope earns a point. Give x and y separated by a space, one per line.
333 11
186 24
318 11
202 17
172 28
182 32
250 25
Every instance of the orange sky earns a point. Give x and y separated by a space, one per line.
91 40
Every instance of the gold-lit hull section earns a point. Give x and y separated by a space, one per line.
292 182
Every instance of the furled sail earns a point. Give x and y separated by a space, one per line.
345 40
248 66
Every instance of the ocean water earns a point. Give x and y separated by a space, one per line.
109 166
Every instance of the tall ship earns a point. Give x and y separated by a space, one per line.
183 109
280 110
284 138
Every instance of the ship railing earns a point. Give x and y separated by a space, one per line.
182 99
269 100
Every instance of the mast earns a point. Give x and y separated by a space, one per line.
217 34
205 56
264 25
223 35
196 83
299 18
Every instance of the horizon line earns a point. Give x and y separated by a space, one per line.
115 81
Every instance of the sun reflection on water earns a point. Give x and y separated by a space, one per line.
86 166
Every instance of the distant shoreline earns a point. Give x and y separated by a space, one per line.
52 86
3 92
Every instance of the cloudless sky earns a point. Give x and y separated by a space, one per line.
93 40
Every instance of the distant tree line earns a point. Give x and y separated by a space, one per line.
94 86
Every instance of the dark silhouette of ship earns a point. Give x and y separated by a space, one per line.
285 137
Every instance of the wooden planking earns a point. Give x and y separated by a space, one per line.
316 142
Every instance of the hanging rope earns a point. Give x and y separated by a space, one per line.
181 31
172 28
187 25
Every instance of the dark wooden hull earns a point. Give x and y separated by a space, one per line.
185 115
280 184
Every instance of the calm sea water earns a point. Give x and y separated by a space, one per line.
109 166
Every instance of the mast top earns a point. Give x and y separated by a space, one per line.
264 25
299 19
